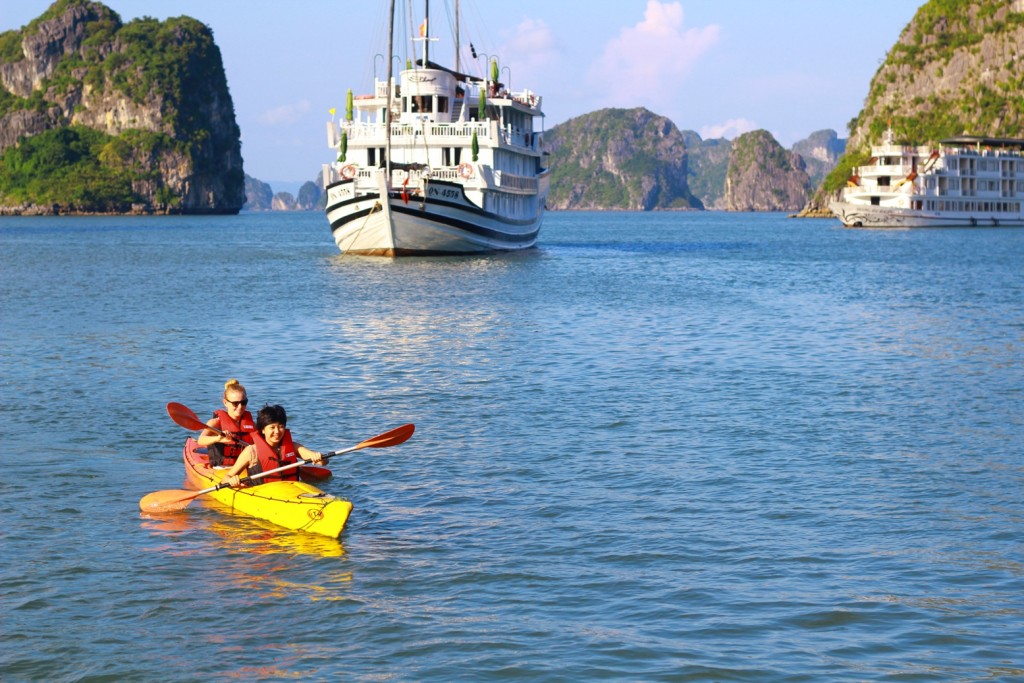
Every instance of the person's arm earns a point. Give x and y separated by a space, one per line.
307 454
245 459
209 437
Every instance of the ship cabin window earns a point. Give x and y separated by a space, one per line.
425 104
451 156
884 180
418 103
876 200
372 154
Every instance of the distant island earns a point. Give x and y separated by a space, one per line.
260 196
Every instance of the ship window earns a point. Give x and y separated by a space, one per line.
421 103
875 201
446 156
458 156
442 105
371 156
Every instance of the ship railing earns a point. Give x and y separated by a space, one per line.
518 184
890 170
332 173
458 133
517 137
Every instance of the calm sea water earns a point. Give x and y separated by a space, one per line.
661 447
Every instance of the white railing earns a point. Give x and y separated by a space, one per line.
440 134
515 183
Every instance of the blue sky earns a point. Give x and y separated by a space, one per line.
719 67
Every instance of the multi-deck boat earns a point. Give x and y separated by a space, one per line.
967 181
436 162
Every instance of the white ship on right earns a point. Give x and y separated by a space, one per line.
968 181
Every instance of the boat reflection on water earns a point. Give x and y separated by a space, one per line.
253 535
240 532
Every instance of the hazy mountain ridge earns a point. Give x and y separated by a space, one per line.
608 159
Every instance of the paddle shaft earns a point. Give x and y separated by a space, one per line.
392 438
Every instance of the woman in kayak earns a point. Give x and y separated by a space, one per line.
233 419
272 448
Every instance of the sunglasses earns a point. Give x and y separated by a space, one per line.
243 402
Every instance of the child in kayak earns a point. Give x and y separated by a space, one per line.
272 448
233 419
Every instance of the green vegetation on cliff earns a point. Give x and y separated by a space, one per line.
123 114
84 169
957 68
618 159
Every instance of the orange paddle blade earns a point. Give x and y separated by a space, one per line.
392 438
167 501
184 417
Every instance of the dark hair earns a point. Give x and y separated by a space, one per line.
270 415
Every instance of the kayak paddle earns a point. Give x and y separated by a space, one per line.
178 499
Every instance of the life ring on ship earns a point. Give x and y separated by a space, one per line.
465 171
348 172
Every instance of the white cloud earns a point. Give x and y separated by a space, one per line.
285 114
729 129
645 63
531 50
532 40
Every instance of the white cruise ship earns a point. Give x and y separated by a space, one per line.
437 161
967 181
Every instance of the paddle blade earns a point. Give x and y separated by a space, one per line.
392 438
313 473
167 501
184 417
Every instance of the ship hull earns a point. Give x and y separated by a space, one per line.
444 222
867 216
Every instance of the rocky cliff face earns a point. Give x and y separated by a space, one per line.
762 176
955 69
618 159
258 195
820 151
707 163
157 90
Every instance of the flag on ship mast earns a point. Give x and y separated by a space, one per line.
423 29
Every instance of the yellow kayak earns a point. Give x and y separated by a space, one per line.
291 504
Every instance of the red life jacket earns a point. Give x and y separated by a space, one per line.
269 460
241 430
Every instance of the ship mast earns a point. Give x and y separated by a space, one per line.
426 34
387 110
456 36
